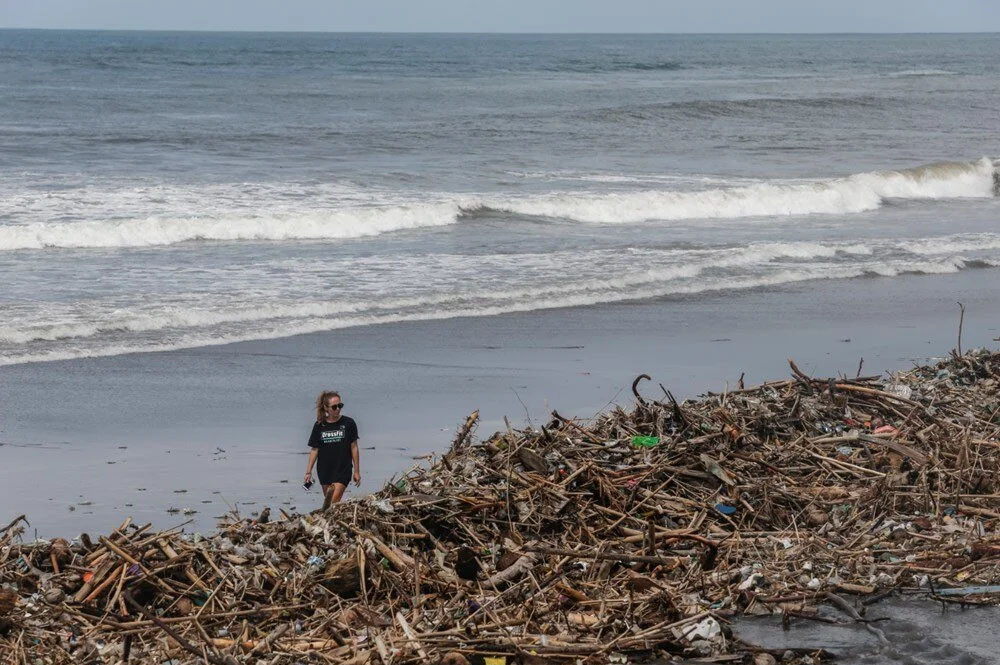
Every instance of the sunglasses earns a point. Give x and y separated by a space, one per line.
334 406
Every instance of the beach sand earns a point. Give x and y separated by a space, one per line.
216 428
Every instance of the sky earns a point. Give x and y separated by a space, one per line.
509 15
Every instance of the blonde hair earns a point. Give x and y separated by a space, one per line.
321 401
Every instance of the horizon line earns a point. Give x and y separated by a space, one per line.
494 32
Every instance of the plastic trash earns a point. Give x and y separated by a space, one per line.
724 509
884 580
899 390
751 582
645 441
707 629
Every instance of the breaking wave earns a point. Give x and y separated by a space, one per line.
331 225
852 194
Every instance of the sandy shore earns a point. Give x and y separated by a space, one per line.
218 427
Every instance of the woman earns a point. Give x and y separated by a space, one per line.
334 444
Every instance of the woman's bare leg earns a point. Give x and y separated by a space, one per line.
327 495
338 491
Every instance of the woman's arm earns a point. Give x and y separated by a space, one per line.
313 453
355 457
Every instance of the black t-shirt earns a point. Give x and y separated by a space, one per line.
333 442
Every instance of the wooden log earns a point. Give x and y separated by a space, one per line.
532 460
342 576
96 578
271 637
8 600
512 572
108 581
571 593
188 571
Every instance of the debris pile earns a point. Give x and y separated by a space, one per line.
635 535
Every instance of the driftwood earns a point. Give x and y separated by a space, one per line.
512 572
635 533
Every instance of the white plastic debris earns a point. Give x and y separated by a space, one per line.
883 580
899 390
707 629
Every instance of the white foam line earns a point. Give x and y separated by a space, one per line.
972 242
696 262
515 302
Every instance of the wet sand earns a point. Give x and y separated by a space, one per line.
87 442
919 631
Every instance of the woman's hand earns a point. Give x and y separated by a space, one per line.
308 478
357 477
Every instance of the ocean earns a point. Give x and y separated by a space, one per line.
163 191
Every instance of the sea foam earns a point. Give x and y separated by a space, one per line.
503 302
857 193
329 225
585 278
853 194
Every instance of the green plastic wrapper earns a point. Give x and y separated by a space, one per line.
645 441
